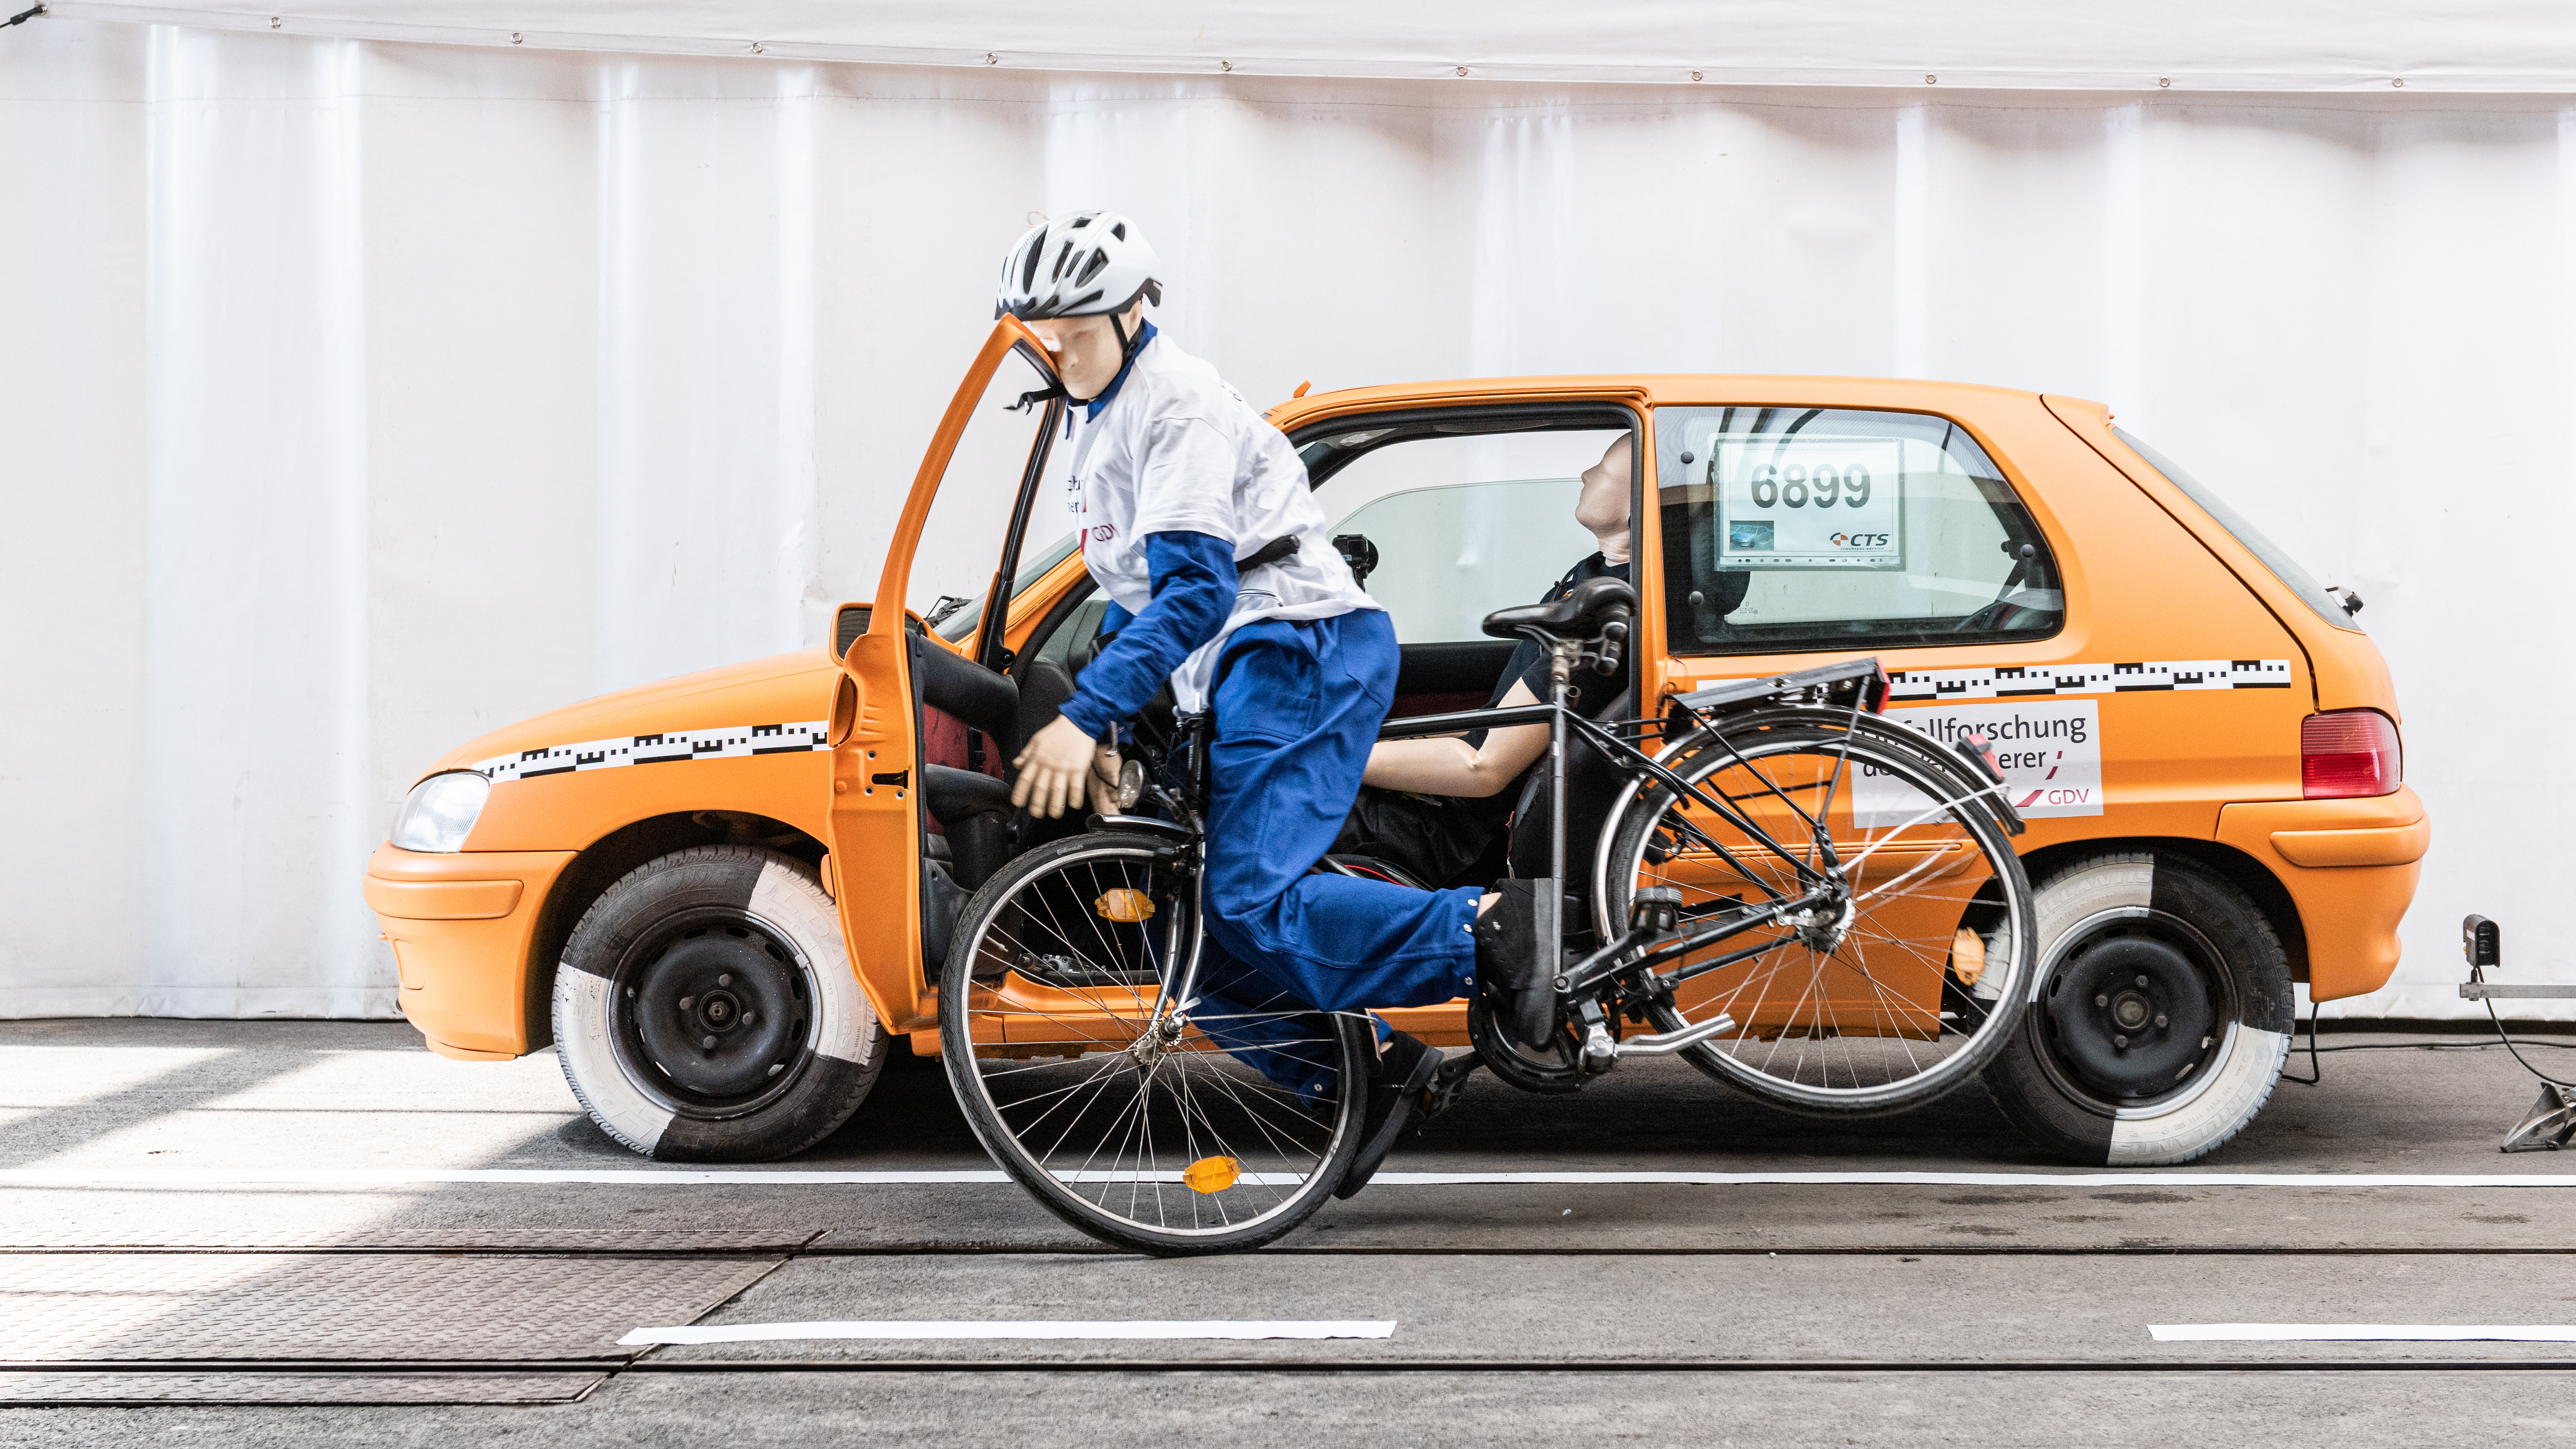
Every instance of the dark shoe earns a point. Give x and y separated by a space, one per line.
1404 1074
1508 960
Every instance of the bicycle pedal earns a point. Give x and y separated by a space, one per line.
1448 1084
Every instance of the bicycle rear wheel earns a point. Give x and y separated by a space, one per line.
1219 1132
1914 971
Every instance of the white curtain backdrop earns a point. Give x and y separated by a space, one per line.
357 396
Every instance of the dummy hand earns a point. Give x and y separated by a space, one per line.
1053 768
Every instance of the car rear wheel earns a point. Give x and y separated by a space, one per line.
2161 1017
706 1011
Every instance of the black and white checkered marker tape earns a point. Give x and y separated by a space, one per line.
2016 682
731 742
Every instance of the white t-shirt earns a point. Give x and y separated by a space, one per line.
1179 451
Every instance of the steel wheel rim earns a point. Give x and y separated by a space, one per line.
2211 1062
680 958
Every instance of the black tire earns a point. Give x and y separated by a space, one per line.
721 944
1892 1016
1039 1001
2127 940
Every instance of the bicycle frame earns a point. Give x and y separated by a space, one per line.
1638 949
1695 719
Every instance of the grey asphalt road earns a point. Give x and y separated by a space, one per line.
2013 1313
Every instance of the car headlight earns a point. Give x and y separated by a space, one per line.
440 812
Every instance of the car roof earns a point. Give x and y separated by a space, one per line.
1666 390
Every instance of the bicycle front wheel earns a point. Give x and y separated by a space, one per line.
1911 966
1213 1127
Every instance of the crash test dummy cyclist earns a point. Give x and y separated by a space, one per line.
1181 489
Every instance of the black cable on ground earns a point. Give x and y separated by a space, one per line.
2517 1054
2316 1070
23 16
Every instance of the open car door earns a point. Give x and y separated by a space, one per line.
927 721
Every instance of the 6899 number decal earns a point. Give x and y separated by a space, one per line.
1790 487
1808 501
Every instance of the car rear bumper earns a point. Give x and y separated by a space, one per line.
2351 866
462 927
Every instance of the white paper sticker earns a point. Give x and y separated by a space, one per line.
2050 750
1811 500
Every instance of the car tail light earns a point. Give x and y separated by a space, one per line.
2348 752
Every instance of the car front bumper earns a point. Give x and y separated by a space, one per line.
462 927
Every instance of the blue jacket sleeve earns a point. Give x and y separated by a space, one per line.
1193 579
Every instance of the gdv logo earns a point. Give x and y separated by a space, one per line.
1859 540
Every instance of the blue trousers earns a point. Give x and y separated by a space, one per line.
1298 705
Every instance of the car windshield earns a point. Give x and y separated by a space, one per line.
2329 605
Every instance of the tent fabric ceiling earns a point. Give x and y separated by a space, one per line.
2290 45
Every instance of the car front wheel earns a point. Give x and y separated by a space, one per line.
706 1011
2162 1015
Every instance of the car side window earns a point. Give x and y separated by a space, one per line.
1789 528
1448 556
1464 516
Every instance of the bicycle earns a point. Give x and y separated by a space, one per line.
1813 905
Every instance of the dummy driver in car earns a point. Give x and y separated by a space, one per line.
1198 523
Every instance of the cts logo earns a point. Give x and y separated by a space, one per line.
1859 540
1102 533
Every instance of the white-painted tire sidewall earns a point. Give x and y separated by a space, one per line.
848 1047
2071 904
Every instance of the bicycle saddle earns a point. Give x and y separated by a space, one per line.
1580 613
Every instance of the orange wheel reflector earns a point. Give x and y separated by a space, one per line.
1130 905
1968 957
1212 1174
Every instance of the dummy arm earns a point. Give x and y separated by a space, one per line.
1449 767
1193 579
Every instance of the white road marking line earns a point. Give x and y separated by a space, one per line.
2343 1332
691 1177
924 1328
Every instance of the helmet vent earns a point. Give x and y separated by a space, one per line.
1091 268
1119 231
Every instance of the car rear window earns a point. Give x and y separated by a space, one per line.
2328 605
1797 528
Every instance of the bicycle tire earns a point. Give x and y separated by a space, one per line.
1929 1028
1047 965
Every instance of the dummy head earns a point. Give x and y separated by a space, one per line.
1081 284
1086 350
1602 506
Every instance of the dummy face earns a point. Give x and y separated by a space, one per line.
1602 507
1085 349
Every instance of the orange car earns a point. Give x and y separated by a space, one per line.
720 897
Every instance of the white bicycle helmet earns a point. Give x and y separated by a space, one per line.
1085 265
